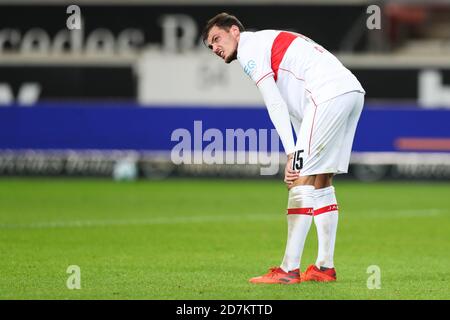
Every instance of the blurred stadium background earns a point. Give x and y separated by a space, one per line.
104 101
76 102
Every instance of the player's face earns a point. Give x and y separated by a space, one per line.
224 43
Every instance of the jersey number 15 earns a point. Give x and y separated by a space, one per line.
297 161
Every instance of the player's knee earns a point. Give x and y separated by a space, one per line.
301 197
305 181
323 180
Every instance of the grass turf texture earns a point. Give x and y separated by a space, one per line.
203 239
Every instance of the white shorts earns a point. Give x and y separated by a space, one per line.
327 132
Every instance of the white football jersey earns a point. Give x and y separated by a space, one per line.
302 69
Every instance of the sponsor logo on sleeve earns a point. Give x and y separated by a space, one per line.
250 68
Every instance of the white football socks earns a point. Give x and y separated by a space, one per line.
299 218
326 221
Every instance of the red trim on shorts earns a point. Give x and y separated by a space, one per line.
312 126
311 96
306 211
279 48
333 207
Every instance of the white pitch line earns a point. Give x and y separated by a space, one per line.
432 212
421 213
200 219
128 222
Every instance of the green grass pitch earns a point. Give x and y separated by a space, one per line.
203 239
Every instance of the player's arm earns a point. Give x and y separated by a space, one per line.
295 124
278 112
255 58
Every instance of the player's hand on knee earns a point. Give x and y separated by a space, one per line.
290 175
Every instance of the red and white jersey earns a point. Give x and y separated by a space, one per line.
302 69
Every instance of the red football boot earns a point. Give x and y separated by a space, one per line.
315 274
278 275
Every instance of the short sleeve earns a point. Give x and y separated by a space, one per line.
254 57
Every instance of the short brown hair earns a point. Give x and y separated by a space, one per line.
223 20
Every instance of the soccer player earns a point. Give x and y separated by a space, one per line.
305 87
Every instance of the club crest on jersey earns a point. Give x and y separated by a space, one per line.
250 68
